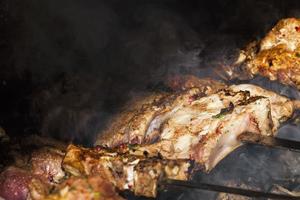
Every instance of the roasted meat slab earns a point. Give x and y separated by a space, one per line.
189 125
277 55
131 124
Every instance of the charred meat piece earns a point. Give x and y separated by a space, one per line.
277 55
136 173
206 128
84 188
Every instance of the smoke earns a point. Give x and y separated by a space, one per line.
62 36
87 57
80 61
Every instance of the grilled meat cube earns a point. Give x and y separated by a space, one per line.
84 188
146 176
124 171
277 55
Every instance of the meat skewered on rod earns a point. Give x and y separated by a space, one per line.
98 171
138 174
142 175
273 142
276 56
157 139
221 117
204 128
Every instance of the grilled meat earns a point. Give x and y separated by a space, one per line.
277 55
206 128
32 177
136 173
84 188
19 184
46 163
131 125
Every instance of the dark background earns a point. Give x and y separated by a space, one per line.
67 65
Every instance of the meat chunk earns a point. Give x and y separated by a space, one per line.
277 55
85 188
15 184
46 163
136 173
206 128
285 32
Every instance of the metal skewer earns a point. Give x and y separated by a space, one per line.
269 141
226 189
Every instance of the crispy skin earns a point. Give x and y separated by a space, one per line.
136 173
206 128
277 55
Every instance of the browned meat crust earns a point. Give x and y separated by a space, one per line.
205 128
85 188
277 55
136 173
131 126
123 126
